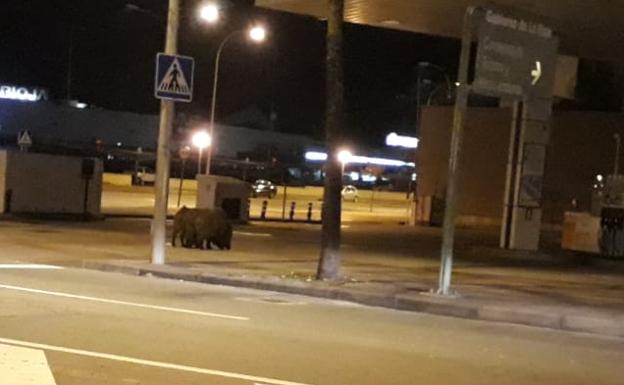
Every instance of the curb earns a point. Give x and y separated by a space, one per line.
591 321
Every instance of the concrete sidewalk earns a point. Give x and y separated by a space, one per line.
587 302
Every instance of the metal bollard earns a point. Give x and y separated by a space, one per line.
291 215
310 212
264 210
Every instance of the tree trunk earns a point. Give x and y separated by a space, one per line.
329 263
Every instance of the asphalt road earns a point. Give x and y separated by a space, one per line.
98 328
390 207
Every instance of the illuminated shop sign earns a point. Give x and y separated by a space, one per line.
315 156
395 140
26 94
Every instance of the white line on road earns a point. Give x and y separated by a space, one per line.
123 303
248 234
24 366
138 361
28 266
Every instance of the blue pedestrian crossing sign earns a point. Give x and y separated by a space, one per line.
174 77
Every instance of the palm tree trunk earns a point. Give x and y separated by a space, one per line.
329 263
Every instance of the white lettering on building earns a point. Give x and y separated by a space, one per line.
518 25
23 93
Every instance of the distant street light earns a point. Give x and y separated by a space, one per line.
201 139
256 34
209 13
344 156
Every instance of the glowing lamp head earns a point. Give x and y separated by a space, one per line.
257 34
209 13
201 139
344 156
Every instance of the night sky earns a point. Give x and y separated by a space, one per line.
114 46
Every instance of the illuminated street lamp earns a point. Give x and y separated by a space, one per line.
256 34
209 13
201 139
344 156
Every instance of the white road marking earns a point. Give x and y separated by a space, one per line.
123 303
28 266
248 234
24 366
138 361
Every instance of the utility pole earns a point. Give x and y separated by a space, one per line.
167 112
419 80
330 260
70 63
616 164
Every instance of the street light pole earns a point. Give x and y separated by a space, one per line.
199 161
616 165
161 184
201 139
421 66
213 106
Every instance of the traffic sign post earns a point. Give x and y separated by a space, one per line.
24 140
457 133
163 155
515 60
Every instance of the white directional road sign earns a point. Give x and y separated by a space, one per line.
174 77
515 58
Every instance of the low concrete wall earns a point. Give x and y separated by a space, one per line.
48 184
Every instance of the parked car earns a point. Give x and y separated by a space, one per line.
145 176
350 193
263 188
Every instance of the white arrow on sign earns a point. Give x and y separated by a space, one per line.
537 72
24 366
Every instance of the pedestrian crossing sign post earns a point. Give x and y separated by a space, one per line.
174 77
24 140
